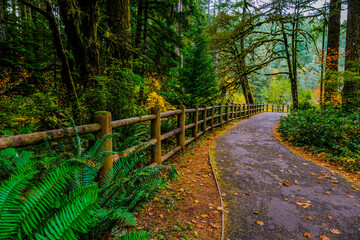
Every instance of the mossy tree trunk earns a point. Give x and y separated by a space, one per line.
332 59
118 12
81 20
351 91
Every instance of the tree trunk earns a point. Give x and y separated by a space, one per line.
118 12
322 63
2 23
48 13
351 92
292 77
332 59
81 20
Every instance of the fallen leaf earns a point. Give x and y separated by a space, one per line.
323 237
235 193
219 208
204 216
286 199
313 174
289 171
302 203
196 201
260 222
309 218
308 235
236 172
286 183
296 181
256 212
247 173
328 193
181 189
214 225
334 231
294 166
331 217
161 215
349 196
193 221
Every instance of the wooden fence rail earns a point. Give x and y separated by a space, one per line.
201 120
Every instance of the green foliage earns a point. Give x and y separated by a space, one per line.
116 93
278 91
195 82
20 115
59 197
330 130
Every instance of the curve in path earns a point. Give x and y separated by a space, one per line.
274 194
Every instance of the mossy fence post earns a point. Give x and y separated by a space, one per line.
204 119
181 125
195 120
267 107
227 112
212 116
156 133
103 118
220 112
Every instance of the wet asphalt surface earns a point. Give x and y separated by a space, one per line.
265 183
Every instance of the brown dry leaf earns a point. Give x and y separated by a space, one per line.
313 174
294 166
286 183
247 173
210 229
151 214
219 208
193 221
261 223
256 212
235 193
355 188
296 181
289 171
285 199
309 218
302 203
181 189
349 196
214 225
328 193
358 206
323 237
331 217
161 215
308 235
334 231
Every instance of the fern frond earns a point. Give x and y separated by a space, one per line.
39 199
10 203
100 145
113 214
135 235
74 218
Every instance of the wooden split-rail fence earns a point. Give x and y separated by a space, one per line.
202 120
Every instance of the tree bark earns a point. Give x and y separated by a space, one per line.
81 20
351 91
118 12
332 59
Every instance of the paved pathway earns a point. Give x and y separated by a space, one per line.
266 184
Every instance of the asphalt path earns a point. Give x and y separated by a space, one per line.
271 193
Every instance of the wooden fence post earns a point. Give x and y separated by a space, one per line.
272 108
156 133
267 107
227 112
241 105
283 108
212 116
204 118
181 125
104 119
196 119
220 112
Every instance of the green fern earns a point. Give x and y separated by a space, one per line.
135 235
73 218
41 198
10 203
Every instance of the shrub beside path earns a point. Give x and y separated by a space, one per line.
271 193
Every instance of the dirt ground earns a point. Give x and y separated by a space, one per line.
190 207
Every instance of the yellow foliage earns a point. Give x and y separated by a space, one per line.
154 97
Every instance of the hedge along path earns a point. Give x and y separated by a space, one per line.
271 193
211 117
